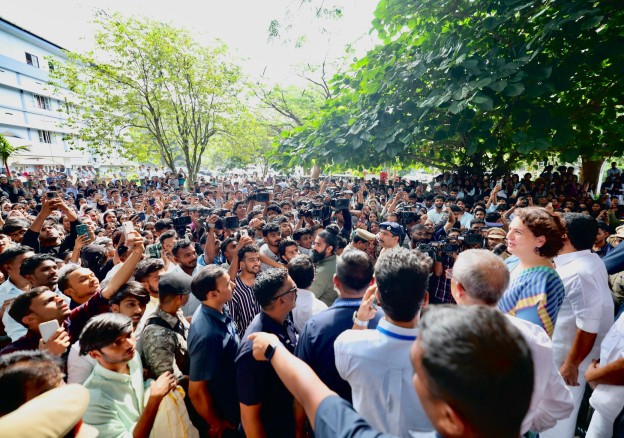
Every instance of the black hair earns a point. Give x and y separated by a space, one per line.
102 330
180 244
9 254
300 232
63 282
354 269
330 239
333 228
26 374
402 278
267 284
301 270
206 281
236 205
20 307
32 263
245 249
225 244
167 235
582 230
13 225
132 289
274 207
474 353
146 267
271 227
285 243
163 224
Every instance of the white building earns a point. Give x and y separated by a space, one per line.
31 113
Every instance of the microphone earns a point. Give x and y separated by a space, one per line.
499 249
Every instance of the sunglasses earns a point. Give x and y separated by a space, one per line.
289 291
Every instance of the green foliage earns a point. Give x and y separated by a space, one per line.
478 83
152 91
6 150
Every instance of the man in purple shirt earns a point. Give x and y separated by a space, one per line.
41 305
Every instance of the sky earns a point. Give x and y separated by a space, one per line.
241 24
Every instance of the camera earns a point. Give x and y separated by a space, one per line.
181 221
340 204
409 216
426 248
231 222
262 196
473 238
450 248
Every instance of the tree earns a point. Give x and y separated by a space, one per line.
6 151
481 84
149 82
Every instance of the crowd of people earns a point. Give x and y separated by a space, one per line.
471 305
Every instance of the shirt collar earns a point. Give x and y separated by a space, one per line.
209 311
569 257
269 322
394 331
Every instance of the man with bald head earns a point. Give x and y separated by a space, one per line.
480 277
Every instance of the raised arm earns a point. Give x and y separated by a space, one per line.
127 269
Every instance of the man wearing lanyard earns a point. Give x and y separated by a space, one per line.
376 363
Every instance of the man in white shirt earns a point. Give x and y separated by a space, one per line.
586 314
301 270
11 260
480 277
437 212
376 363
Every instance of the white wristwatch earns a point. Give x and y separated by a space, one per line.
357 322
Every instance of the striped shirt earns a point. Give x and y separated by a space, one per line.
535 295
243 305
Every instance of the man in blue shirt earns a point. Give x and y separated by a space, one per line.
212 346
354 274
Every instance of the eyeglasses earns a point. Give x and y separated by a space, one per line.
289 291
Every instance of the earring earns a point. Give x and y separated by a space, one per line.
537 250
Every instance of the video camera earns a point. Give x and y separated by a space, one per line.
472 237
339 204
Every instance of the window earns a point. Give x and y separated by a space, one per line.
50 66
45 136
42 102
32 60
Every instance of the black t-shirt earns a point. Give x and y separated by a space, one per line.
258 383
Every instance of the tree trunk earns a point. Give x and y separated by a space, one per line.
316 171
6 164
590 170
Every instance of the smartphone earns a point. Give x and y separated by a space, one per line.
141 217
127 227
52 195
244 233
151 201
47 329
82 230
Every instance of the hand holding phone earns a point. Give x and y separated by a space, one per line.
47 329
127 227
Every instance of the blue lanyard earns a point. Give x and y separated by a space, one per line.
396 335
347 303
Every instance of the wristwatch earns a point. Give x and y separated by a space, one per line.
270 351
357 322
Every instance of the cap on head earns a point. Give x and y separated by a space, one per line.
391 227
174 283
